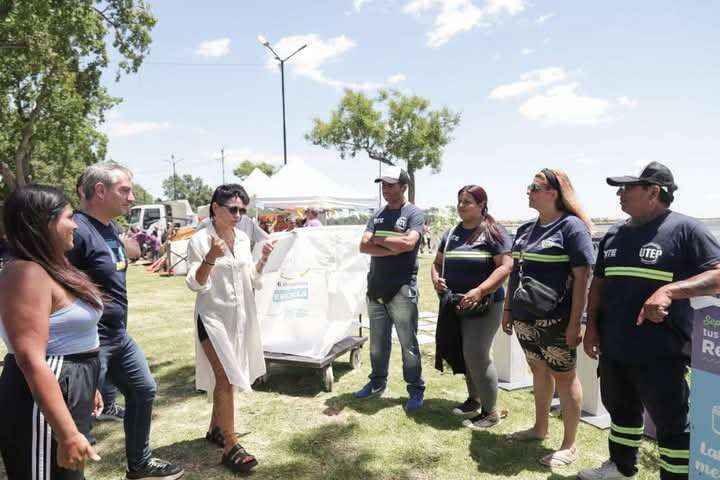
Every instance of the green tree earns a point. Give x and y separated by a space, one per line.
247 166
193 189
142 196
403 129
51 96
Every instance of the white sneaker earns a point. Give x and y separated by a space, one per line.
607 471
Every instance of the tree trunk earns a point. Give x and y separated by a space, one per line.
7 175
411 187
22 154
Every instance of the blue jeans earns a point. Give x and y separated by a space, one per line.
401 311
124 365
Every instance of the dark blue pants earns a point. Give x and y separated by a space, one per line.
660 388
124 365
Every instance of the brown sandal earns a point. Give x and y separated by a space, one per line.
238 460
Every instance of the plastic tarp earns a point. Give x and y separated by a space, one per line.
314 288
297 185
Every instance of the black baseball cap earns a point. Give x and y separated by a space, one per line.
655 173
394 174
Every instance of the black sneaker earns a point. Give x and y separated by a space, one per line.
156 469
468 407
112 413
484 420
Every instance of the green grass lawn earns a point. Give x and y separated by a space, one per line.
298 431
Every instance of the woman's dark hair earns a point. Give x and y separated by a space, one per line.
226 192
488 226
29 212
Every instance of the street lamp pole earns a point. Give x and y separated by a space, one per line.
282 61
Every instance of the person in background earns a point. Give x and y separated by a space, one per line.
228 345
640 321
392 238
49 312
312 219
99 252
555 251
473 260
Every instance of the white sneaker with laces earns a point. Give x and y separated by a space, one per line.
607 471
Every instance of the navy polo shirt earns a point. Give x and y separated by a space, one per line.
551 252
636 260
99 252
467 265
388 274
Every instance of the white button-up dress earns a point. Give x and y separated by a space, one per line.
226 306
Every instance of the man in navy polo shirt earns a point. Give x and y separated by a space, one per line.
640 321
392 238
98 251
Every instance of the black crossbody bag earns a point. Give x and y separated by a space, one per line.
533 295
454 299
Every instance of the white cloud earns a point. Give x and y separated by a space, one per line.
562 105
457 16
583 159
530 82
397 78
359 4
319 52
214 48
127 129
544 18
527 51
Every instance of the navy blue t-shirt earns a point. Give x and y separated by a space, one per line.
636 260
468 265
551 252
388 274
99 252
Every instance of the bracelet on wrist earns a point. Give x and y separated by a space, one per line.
208 263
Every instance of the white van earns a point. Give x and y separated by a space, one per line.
156 216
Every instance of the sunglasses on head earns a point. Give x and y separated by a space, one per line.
236 210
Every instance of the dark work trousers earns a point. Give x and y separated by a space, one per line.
660 388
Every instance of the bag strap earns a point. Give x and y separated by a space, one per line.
447 240
524 249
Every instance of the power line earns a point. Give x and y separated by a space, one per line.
189 64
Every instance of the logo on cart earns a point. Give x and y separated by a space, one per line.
650 253
401 224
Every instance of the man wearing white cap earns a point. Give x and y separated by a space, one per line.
392 238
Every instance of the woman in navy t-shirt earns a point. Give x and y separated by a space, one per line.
473 259
556 251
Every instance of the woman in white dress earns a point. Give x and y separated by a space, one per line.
228 346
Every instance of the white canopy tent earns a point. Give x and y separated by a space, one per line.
297 185
256 182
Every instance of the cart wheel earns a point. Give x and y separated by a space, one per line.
260 381
328 378
355 359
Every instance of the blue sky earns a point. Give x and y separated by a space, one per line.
593 88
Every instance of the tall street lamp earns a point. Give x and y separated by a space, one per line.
282 61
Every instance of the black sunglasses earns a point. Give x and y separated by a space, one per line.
236 210
534 187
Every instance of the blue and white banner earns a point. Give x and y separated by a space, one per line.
705 390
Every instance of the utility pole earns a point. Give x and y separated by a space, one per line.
222 159
174 177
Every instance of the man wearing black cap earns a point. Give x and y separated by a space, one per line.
392 238
640 322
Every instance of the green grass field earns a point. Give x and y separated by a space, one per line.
298 431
